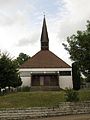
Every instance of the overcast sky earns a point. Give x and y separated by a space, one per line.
21 24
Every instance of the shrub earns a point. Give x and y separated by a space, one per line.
71 95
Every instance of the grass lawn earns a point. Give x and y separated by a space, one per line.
37 99
84 95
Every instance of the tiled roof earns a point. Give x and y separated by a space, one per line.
45 59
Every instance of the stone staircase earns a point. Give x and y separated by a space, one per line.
25 114
64 108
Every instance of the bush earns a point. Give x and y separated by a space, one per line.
71 95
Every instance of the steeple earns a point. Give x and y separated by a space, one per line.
44 36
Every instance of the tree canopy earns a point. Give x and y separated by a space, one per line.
9 75
22 58
79 49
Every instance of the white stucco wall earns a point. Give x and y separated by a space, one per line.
26 81
65 82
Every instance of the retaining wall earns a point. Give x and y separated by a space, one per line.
64 108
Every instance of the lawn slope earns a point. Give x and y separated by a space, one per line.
37 99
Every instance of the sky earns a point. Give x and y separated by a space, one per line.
21 24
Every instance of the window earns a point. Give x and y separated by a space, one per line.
44 45
35 80
65 73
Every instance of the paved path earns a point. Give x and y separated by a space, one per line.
69 117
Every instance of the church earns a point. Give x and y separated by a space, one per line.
45 70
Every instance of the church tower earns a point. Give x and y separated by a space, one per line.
44 36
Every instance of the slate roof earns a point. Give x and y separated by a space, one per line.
45 59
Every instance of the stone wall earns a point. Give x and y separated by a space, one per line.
64 108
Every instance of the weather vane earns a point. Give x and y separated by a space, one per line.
44 14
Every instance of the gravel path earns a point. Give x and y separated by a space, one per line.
69 117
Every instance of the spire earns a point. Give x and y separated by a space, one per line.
44 36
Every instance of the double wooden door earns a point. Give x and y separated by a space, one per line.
45 80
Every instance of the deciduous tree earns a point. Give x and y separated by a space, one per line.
9 75
22 58
79 49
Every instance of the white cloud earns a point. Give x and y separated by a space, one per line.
7 20
29 40
78 12
8 2
15 12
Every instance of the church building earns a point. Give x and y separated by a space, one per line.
45 70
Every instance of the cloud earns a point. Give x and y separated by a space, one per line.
78 9
78 12
15 12
23 42
30 40
7 20
10 3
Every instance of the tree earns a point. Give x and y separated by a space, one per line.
9 75
79 49
22 58
76 76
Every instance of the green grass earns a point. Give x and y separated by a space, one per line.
37 99
31 99
84 95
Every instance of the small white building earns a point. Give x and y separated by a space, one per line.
45 70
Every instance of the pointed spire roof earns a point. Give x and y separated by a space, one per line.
44 35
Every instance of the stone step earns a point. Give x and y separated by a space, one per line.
37 112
